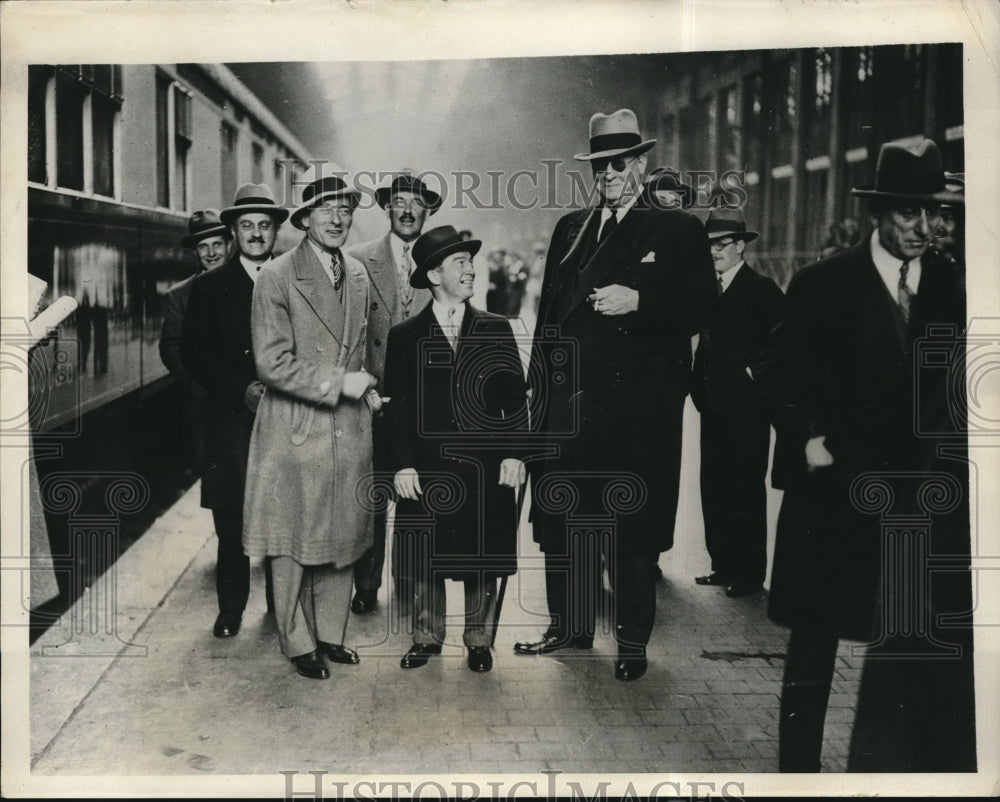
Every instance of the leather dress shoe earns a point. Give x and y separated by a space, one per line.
553 643
364 602
311 665
629 667
419 654
711 579
738 589
227 625
480 658
338 653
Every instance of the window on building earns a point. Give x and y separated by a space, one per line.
784 111
818 94
858 98
173 143
753 124
229 136
258 163
39 79
671 157
70 97
729 130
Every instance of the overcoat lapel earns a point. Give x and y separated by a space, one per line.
314 285
354 323
382 270
874 310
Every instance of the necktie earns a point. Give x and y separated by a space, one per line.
405 290
904 294
451 330
338 272
609 225
718 278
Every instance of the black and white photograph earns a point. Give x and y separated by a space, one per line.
490 399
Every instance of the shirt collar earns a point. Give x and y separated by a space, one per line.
440 311
253 268
396 246
622 210
729 274
888 266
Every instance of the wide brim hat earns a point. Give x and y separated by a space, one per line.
615 134
954 183
320 190
253 199
909 173
666 179
433 246
203 224
728 223
405 182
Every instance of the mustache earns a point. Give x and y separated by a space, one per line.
406 218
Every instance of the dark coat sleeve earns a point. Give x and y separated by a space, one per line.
511 391
174 304
400 412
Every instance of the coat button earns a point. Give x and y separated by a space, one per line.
338 433
378 341
319 347
374 305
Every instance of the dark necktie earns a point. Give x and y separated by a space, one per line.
338 271
904 294
609 225
718 278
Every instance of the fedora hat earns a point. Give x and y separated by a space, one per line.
253 199
909 173
615 134
320 190
728 223
433 246
667 179
406 182
203 224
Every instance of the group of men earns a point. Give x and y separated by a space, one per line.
343 366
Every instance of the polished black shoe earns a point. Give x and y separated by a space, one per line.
311 666
227 625
630 667
337 653
711 579
553 643
364 602
419 654
480 658
738 589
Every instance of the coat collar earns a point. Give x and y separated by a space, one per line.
311 280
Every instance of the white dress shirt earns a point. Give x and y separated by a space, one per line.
888 268
325 259
253 268
728 275
621 211
452 326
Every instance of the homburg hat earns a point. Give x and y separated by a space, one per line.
406 182
203 224
253 199
615 134
320 190
909 173
728 223
433 246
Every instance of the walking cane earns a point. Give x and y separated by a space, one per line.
519 494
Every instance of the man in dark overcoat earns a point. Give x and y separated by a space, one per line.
626 286
735 430
217 352
456 407
407 202
857 402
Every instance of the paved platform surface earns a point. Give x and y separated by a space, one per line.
146 690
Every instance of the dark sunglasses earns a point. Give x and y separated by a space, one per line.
617 164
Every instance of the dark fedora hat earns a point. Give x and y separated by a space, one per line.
728 223
322 189
433 246
615 134
667 179
909 173
253 199
407 182
203 224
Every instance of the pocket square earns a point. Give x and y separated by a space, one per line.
649 257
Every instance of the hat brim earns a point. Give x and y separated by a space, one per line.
431 199
279 213
418 278
746 236
192 240
299 213
635 150
870 193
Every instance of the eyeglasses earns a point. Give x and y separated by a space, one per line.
400 205
263 225
719 244
618 164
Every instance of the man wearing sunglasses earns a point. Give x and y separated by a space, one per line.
408 202
626 285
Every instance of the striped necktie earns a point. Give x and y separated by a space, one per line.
405 290
904 295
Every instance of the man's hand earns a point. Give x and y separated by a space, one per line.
407 483
252 395
512 473
357 383
816 454
614 300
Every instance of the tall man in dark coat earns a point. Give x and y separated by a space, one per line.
456 406
626 286
857 404
210 238
408 202
735 429
216 351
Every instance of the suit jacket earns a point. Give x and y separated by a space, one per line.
454 417
175 302
845 373
734 340
384 310
308 490
609 390
217 352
